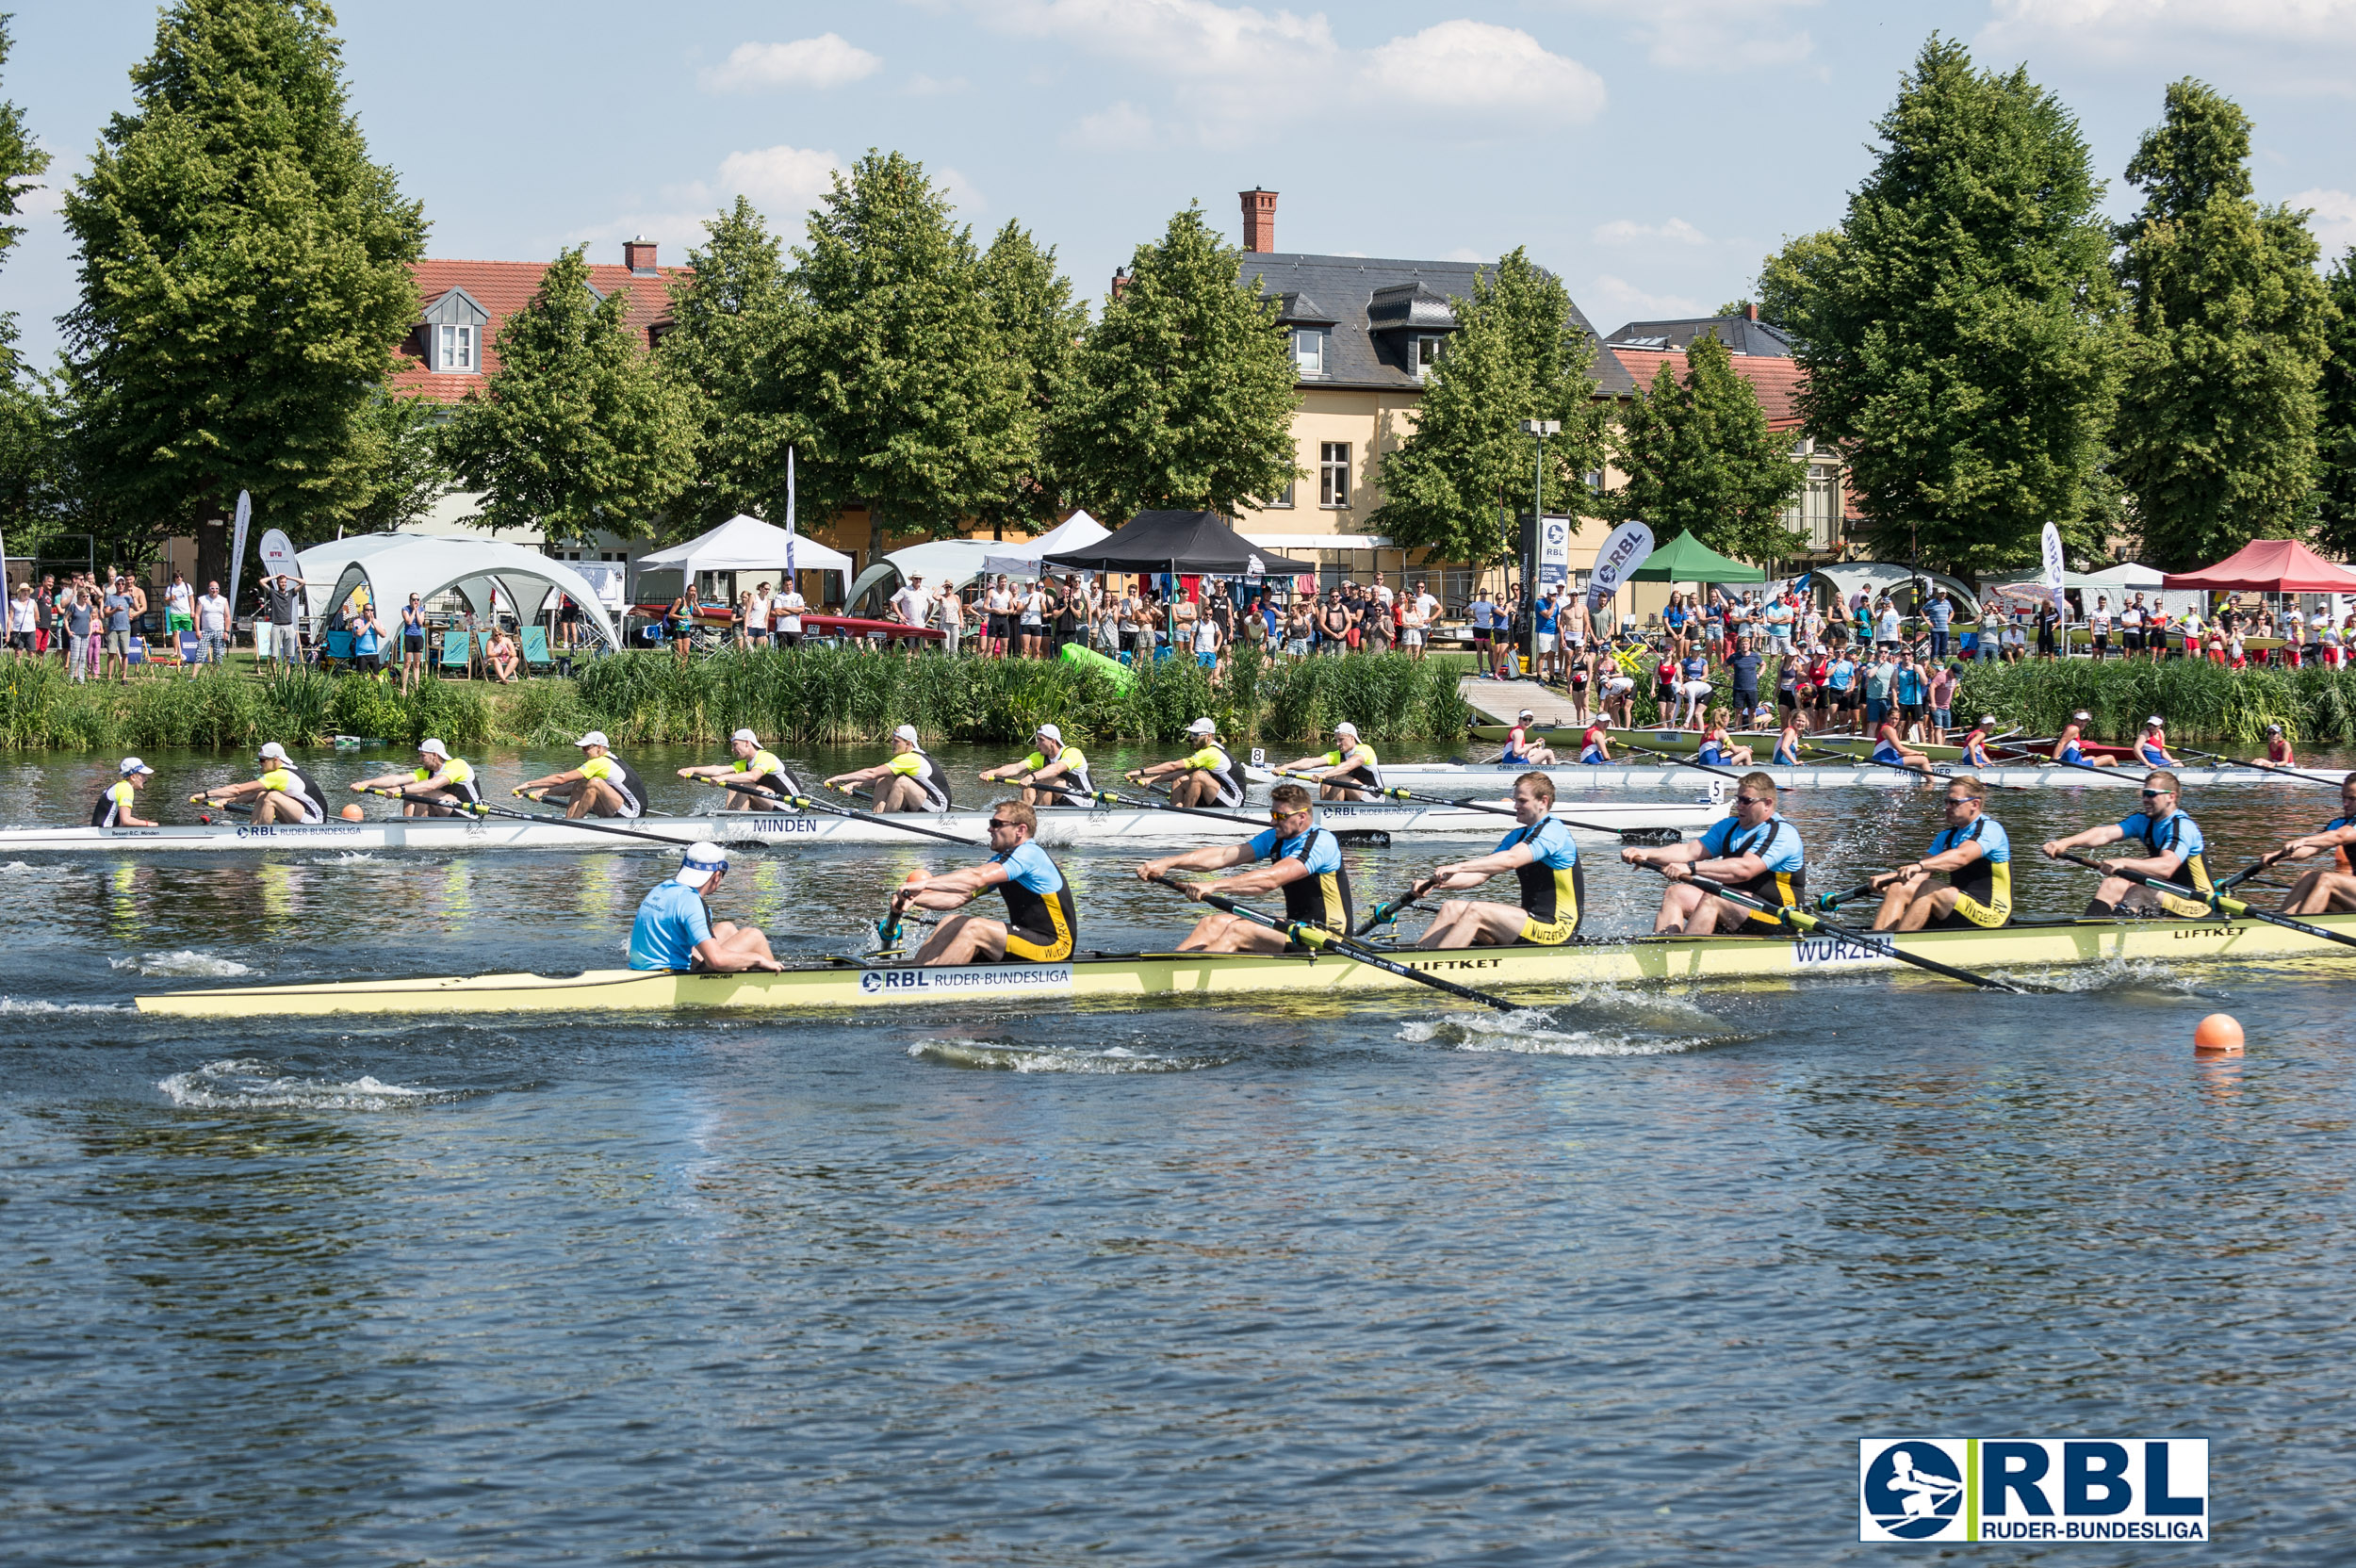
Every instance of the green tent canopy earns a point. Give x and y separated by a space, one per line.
1686 559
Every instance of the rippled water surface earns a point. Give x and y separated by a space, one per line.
1617 1280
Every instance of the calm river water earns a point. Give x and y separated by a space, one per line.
1622 1280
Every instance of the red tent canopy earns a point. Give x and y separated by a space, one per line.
2274 566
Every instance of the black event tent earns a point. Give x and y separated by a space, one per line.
1195 543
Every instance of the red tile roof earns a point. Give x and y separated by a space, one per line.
504 288
1775 380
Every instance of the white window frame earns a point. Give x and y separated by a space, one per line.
1422 354
1333 475
1309 351
457 350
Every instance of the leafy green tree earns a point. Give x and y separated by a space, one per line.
1698 455
405 461
1955 336
1183 394
912 406
244 274
1468 466
732 314
577 431
1787 279
2217 416
2335 417
1040 326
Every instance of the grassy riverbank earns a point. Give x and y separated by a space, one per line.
816 695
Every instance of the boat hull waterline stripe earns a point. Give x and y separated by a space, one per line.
1149 977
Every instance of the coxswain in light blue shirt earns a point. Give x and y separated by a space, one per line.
2172 846
1041 922
1975 854
1754 851
1303 861
675 929
1542 858
2330 886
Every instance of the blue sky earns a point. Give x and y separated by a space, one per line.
1649 151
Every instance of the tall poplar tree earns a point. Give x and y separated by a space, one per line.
28 453
733 310
1516 355
1183 394
1698 455
1955 336
2335 416
576 429
911 404
244 275
1038 329
2215 433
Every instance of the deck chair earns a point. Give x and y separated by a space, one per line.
191 647
457 653
156 650
535 652
339 648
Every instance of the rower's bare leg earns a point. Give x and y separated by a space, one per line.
1225 933
1470 922
2113 890
1680 906
2321 892
1937 905
1192 788
964 940
899 793
596 798
739 801
742 941
1896 899
276 805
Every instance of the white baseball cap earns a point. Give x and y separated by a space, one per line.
1988 718
907 732
2154 722
273 751
132 766
1049 732
747 736
1345 728
430 744
1203 727
1527 715
595 738
703 861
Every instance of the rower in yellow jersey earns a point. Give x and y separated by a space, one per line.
1542 858
117 802
283 793
439 786
1051 762
1349 771
754 767
1207 775
602 786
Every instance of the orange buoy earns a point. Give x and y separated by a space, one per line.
2218 1034
354 813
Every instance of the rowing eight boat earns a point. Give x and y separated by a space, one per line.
1141 976
1058 828
1570 777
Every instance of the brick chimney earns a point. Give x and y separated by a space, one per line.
638 255
1751 310
1259 220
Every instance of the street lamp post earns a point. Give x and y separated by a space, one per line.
1540 429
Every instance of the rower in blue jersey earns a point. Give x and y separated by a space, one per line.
1975 744
1302 860
1595 747
675 929
1975 854
2172 848
1754 851
2151 748
1041 922
1890 749
2330 886
1543 860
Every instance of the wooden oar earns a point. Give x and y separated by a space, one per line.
2303 776
1317 936
1873 941
1628 834
2214 899
828 808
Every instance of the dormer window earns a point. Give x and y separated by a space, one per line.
1309 351
454 351
1424 353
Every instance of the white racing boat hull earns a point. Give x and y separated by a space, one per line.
1065 830
1447 777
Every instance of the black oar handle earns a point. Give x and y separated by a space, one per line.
828 808
1317 936
1628 834
2214 899
1683 762
1873 941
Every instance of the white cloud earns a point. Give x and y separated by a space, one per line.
1711 35
1120 127
1627 231
828 61
2284 20
1622 299
963 194
778 179
2334 220
1485 69
1182 38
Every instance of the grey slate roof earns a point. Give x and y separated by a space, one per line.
1738 333
1373 307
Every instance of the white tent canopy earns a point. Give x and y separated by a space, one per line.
392 566
745 544
1875 577
1021 558
956 561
